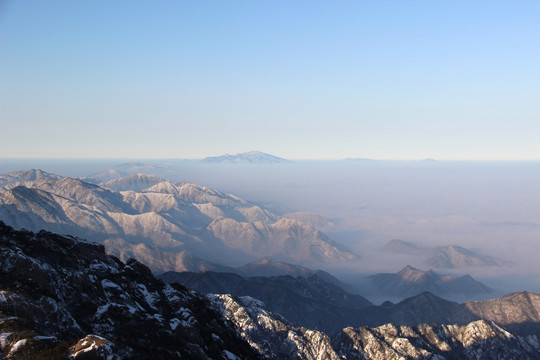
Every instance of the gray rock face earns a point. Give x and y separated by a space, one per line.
60 297
519 312
271 334
476 340
168 218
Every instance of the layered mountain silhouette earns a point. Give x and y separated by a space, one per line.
444 257
314 303
26 175
126 169
64 298
275 338
251 157
306 301
166 218
411 281
270 267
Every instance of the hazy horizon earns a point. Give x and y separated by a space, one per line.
486 207
323 80
437 102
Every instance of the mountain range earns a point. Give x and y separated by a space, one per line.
411 281
64 298
159 222
308 301
251 157
444 257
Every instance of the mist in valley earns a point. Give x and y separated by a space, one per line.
489 208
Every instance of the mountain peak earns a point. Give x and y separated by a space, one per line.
250 157
133 182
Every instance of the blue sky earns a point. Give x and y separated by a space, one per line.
298 79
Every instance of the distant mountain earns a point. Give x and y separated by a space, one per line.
444 257
269 267
251 157
455 257
410 281
311 219
168 218
306 301
122 170
26 175
402 247
286 239
134 182
161 261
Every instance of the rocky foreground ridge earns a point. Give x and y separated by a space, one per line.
61 297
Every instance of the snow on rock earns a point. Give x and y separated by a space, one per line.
17 346
92 346
128 312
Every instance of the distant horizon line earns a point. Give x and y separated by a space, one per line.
291 159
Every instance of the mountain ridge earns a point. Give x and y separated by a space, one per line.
63 297
444 257
410 281
218 227
250 157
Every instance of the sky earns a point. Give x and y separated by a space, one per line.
297 79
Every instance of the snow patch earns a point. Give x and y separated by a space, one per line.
108 284
173 323
230 356
149 298
17 346
3 339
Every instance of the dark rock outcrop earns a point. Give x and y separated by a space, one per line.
60 295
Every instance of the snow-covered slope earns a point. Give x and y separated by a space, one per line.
133 182
305 301
168 217
274 337
26 175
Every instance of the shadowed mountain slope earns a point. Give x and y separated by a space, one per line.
310 302
410 281
60 297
